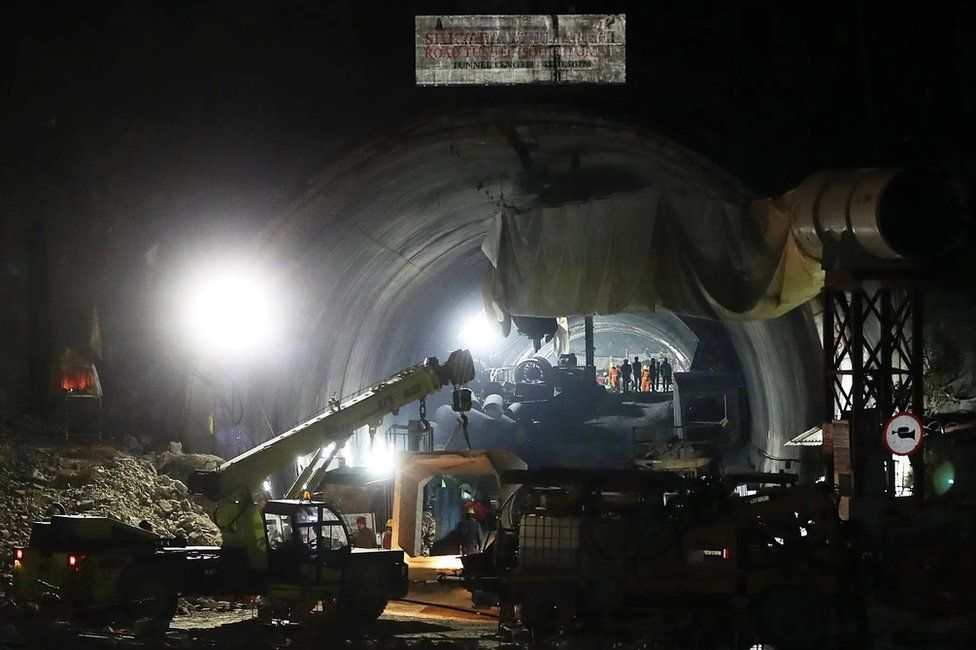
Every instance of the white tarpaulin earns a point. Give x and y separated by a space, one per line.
647 250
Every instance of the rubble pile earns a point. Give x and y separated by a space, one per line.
95 480
174 463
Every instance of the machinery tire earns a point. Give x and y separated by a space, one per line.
359 609
147 594
790 618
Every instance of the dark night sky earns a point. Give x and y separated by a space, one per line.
134 122
244 91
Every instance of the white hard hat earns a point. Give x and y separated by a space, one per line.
495 400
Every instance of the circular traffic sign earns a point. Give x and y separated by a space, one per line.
903 434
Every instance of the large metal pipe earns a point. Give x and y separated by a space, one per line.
892 214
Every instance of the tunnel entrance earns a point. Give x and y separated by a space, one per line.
387 275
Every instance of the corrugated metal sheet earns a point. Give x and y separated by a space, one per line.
812 437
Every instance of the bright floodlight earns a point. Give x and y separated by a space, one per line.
479 334
229 313
380 460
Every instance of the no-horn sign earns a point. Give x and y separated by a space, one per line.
903 434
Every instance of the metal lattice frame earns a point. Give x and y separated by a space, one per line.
873 355
873 348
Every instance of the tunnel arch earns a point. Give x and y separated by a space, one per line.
664 330
385 248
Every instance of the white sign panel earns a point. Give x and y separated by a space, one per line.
499 50
903 434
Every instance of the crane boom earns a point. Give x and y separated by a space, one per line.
235 483
244 474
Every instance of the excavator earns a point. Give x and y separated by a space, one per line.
295 552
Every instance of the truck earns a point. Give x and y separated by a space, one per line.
294 552
752 554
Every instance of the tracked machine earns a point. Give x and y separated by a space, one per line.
295 553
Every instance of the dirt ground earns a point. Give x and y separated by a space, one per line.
404 625
415 626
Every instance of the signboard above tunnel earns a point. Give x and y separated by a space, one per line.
523 49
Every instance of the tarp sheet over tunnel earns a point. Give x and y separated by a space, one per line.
645 250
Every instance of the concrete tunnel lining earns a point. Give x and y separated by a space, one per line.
385 246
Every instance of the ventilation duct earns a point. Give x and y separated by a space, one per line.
705 256
889 213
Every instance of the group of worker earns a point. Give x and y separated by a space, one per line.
649 377
477 518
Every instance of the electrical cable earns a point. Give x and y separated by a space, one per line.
775 458
454 607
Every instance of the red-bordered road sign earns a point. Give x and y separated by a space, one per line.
903 434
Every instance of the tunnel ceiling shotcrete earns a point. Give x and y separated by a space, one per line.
385 248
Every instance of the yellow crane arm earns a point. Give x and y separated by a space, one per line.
243 475
235 483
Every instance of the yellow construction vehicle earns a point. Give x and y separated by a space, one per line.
293 552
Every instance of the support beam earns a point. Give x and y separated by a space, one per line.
590 349
873 354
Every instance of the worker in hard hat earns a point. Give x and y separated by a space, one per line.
387 542
614 377
645 381
477 503
469 532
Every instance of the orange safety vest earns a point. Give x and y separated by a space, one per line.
614 377
646 381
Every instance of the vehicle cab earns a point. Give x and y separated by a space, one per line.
309 547
301 532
